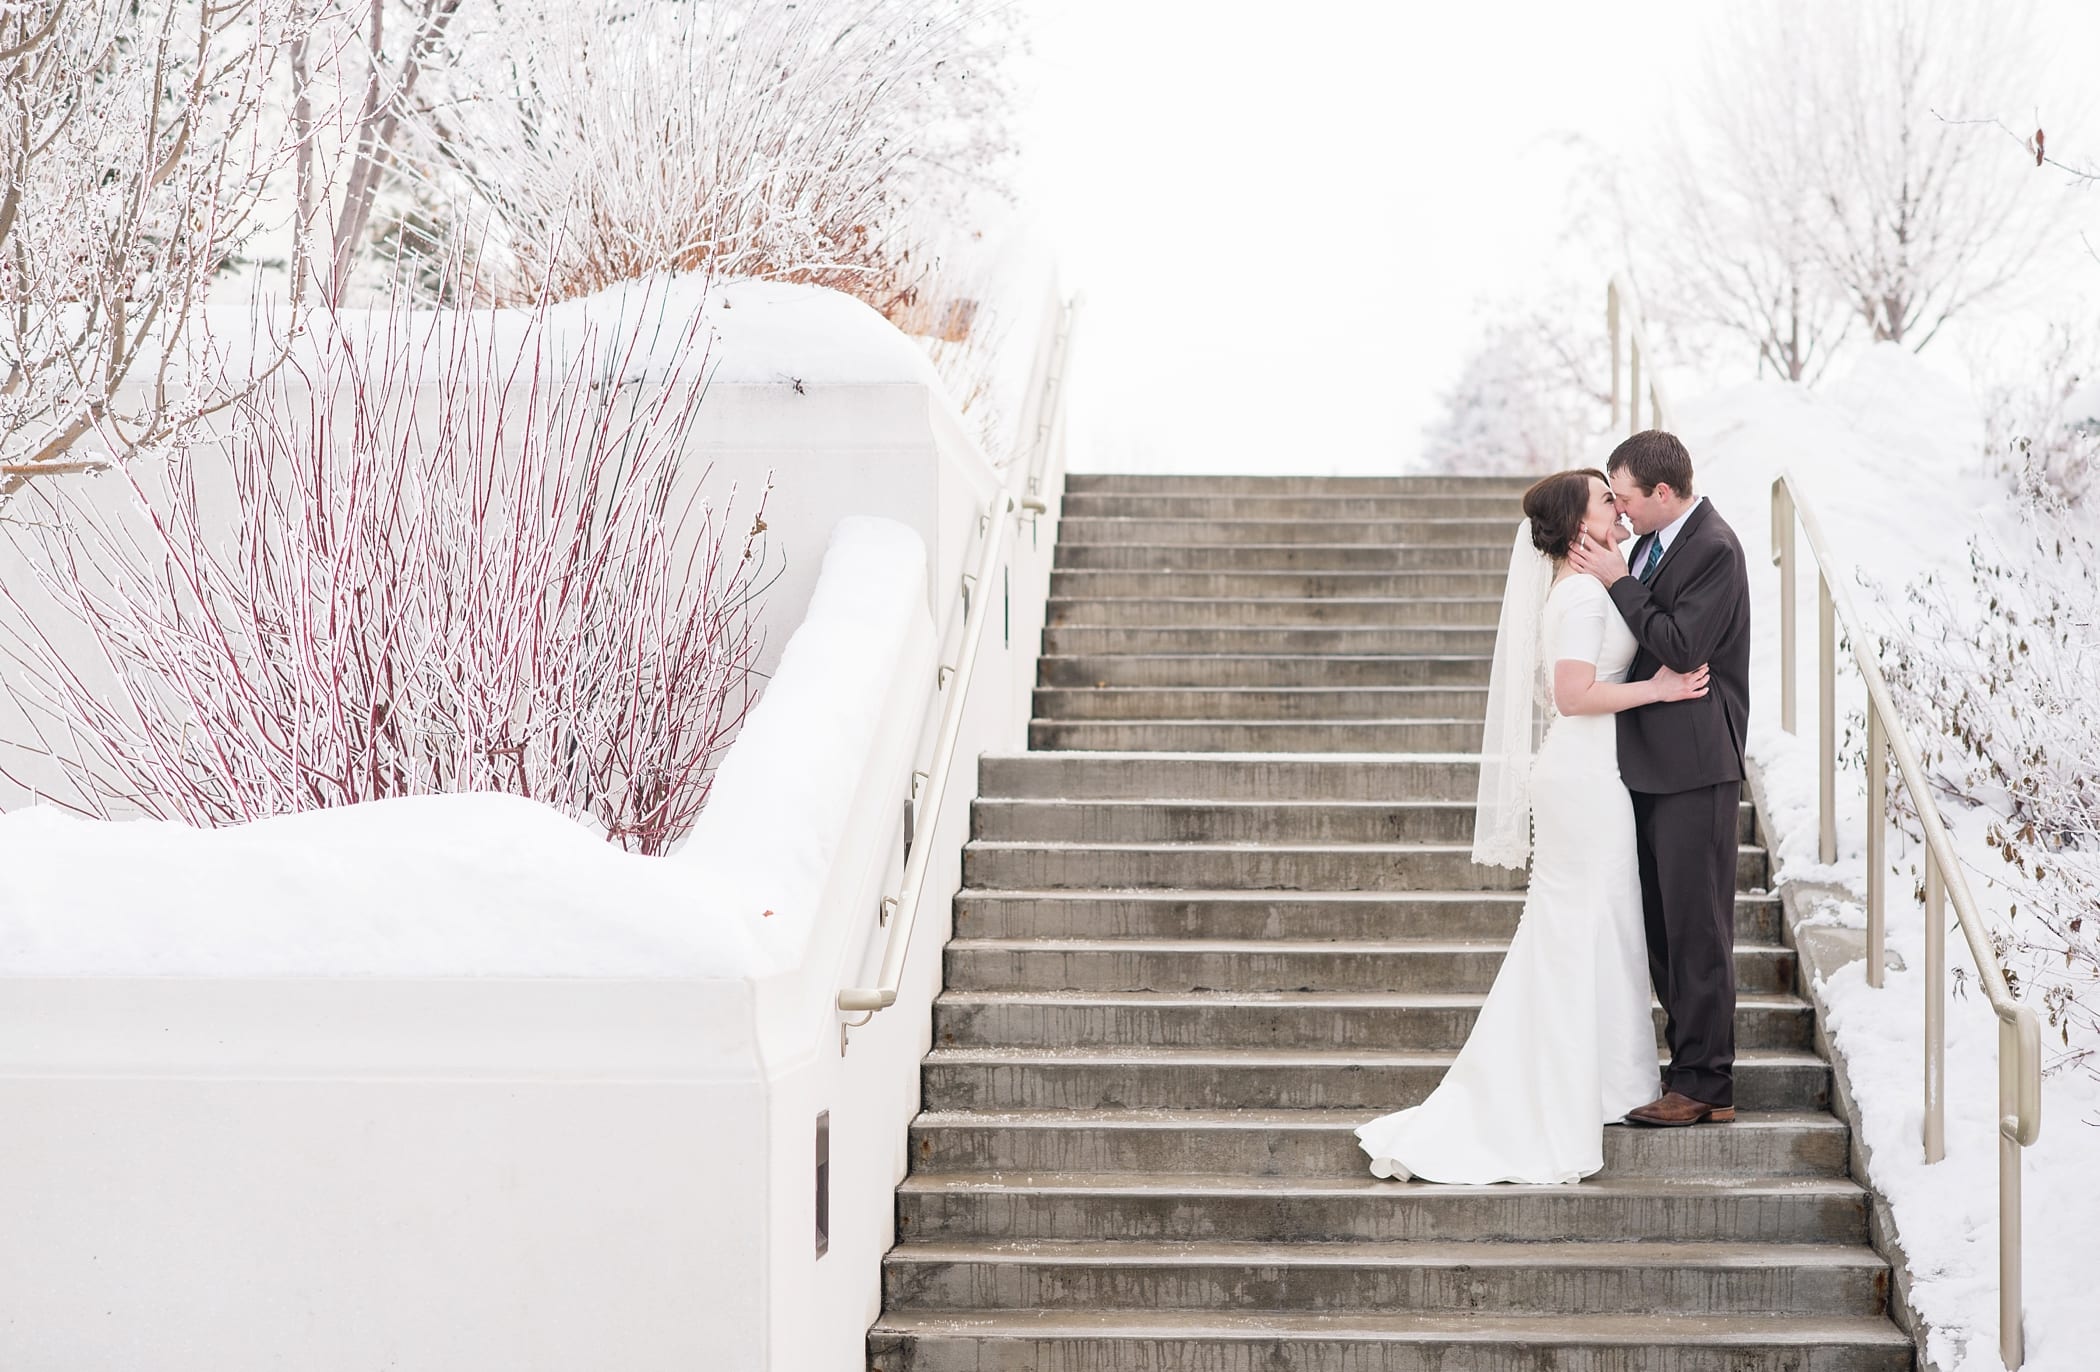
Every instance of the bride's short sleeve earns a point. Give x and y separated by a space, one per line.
1579 637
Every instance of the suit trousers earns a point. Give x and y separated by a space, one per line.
1687 847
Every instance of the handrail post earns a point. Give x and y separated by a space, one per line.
1633 387
1611 310
2012 1345
1783 554
1826 711
1877 844
1935 1010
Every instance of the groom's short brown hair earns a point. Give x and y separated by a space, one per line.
1654 458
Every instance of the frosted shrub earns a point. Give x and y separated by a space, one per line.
574 145
2044 431
2002 676
450 552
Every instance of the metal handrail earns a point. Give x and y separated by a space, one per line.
2019 1031
901 911
1050 414
1623 309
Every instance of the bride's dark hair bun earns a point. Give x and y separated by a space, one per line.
1555 505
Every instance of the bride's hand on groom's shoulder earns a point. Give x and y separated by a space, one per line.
1588 556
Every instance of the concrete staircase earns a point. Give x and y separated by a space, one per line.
1194 951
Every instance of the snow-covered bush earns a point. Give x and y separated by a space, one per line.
2044 430
2001 674
844 143
137 138
441 551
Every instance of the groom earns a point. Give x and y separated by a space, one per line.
1686 597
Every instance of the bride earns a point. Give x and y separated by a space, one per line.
1565 1042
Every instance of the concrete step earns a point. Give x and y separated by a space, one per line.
1247 1142
1507 506
1081 1275
1009 1078
1110 585
1191 1206
1177 483
1208 776
1430 532
1429 640
1073 553
1427 1021
1263 736
1450 916
1179 965
1201 611
1326 705
1263 1341
1276 866
1250 670
1238 821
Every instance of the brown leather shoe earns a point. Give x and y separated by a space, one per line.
1675 1110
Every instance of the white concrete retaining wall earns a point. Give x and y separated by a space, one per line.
552 1172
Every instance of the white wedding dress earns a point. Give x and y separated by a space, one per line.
1565 1043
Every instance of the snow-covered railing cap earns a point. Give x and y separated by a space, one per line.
2019 1031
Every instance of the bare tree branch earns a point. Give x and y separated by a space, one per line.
134 155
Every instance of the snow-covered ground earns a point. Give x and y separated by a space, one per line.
1892 458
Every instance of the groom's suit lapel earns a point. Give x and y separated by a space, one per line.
1684 536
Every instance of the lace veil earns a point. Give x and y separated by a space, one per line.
1516 693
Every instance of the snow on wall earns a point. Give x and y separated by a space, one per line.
755 332
785 795
454 885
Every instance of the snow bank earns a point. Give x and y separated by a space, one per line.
1891 458
788 791
773 332
750 332
496 885
1947 1213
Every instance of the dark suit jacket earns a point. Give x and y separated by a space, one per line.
1696 609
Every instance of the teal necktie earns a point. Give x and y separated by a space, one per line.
1648 563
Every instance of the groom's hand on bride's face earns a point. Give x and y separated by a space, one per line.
1599 560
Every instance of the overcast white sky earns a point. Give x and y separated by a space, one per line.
1285 217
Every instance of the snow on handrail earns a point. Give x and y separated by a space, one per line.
901 910
2019 1032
